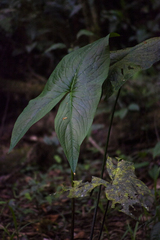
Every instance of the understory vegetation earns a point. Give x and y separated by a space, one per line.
50 181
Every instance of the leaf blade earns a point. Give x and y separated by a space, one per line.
126 189
78 72
76 111
126 62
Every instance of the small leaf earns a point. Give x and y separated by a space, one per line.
133 107
56 46
121 113
84 32
76 9
154 172
57 158
156 150
140 165
30 47
28 196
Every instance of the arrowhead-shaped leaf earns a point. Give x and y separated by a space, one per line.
78 79
126 62
77 110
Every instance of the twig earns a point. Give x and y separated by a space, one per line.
93 142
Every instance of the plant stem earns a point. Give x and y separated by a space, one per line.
73 208
102 171
106 210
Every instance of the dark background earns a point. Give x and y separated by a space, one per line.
34 36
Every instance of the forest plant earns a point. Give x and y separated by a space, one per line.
78 82
6 232
154 174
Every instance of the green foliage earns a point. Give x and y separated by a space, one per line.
154 172
156 150
78 80
124 189
133 231
42 28
85 33
123 112
125 63
28 28
77 83
55 46
7 234
36 190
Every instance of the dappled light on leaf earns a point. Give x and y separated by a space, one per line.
124 189
83 189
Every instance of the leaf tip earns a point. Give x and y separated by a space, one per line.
114 35
10 149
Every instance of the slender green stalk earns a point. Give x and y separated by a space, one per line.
15 222
102 170
73 208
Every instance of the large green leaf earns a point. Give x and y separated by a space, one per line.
77 80
126 62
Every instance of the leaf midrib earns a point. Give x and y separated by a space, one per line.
71 109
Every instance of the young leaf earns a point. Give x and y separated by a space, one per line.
84 32
56 46
156 150
154 172
78 79
126 62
